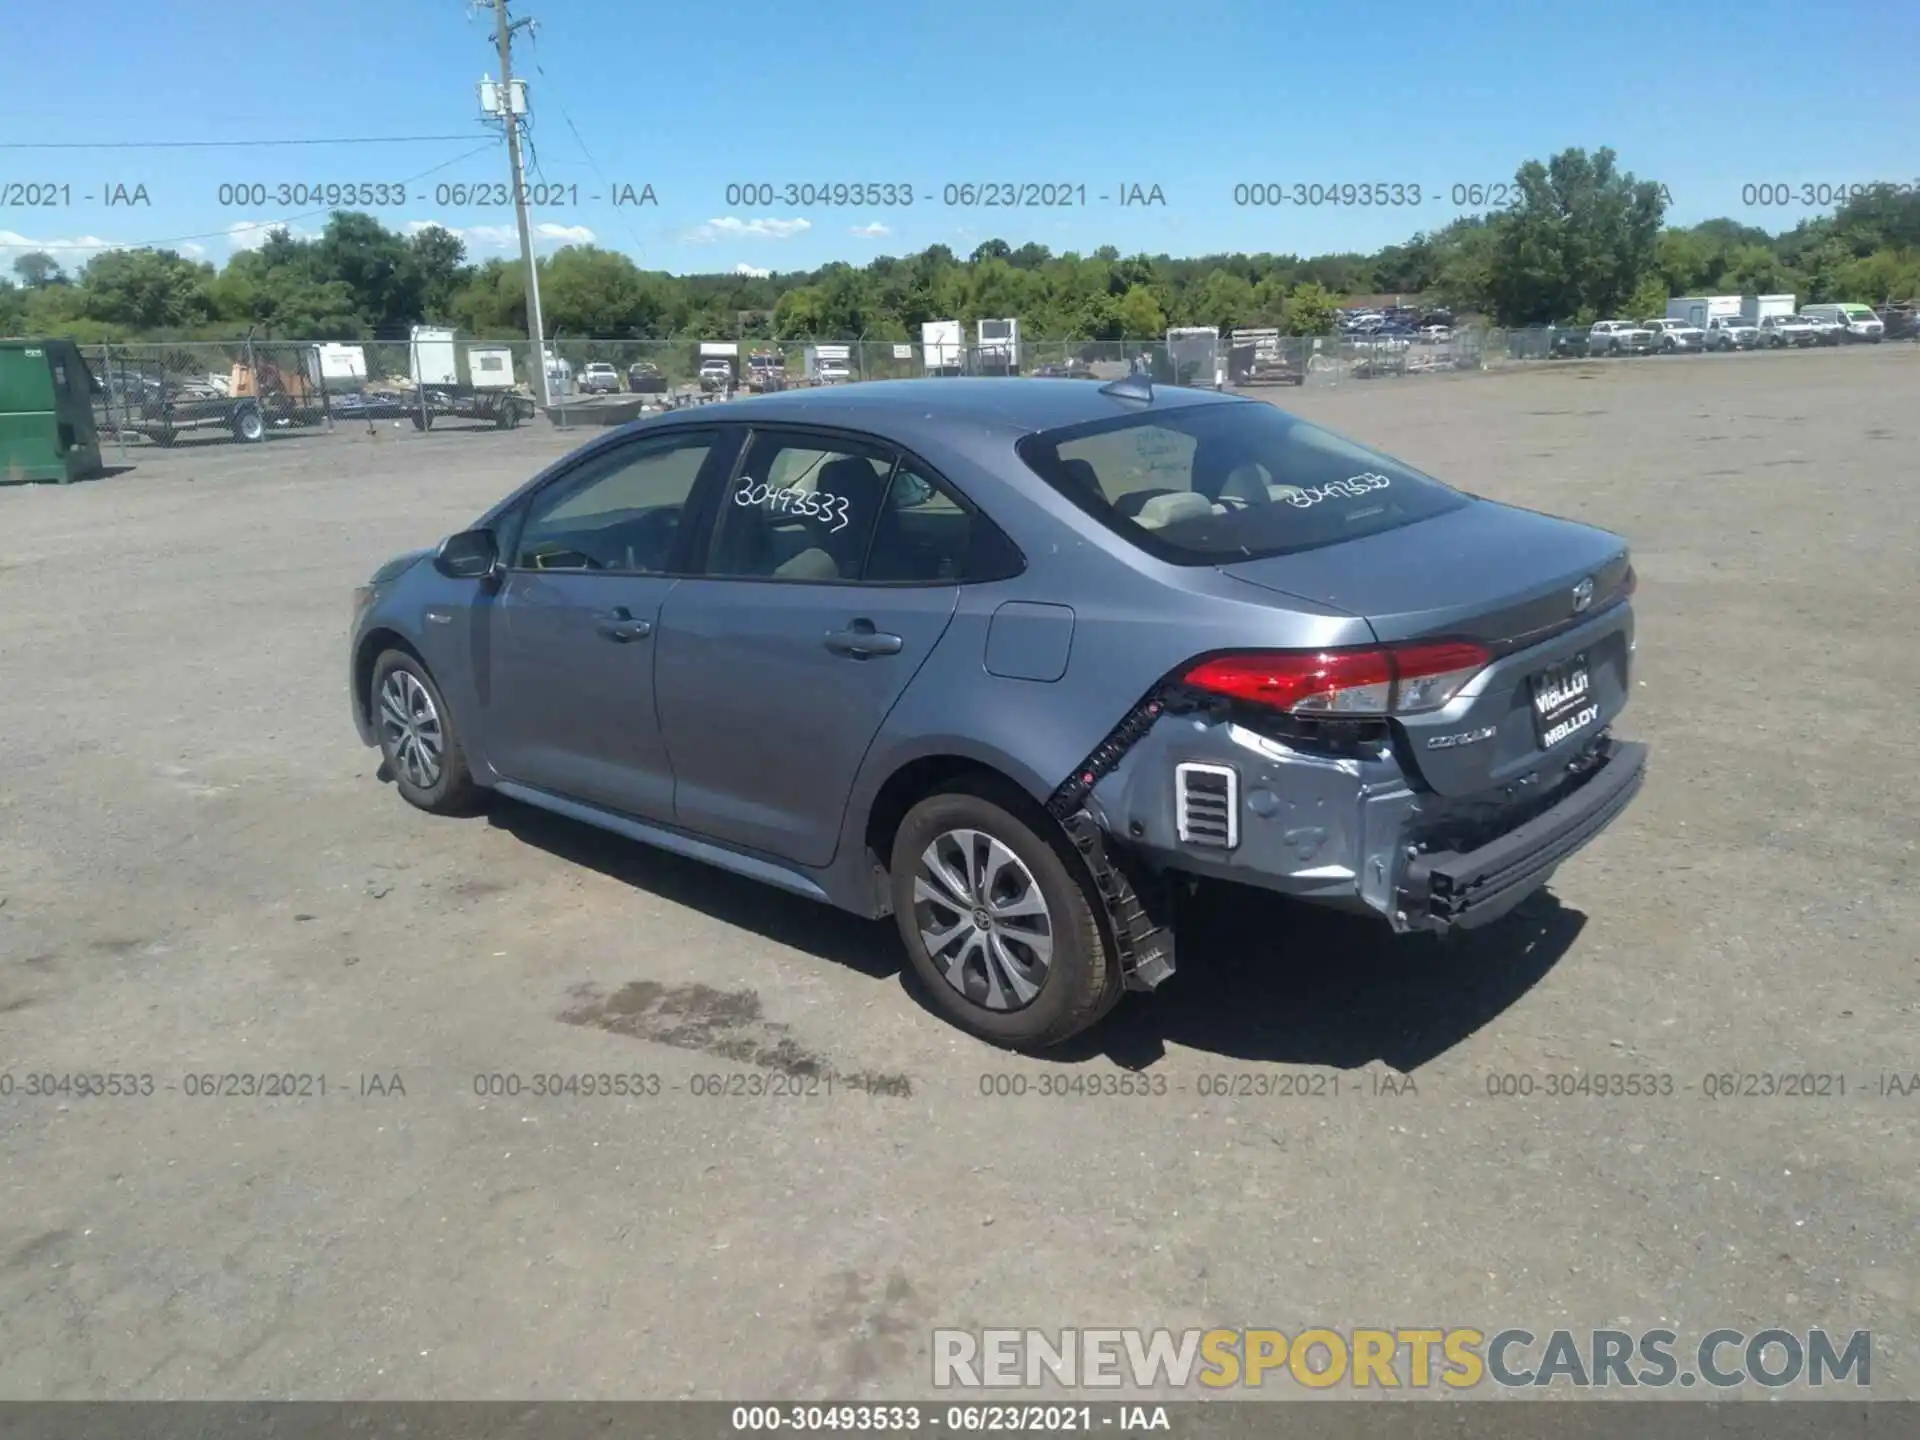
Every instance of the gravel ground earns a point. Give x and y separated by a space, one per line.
201 876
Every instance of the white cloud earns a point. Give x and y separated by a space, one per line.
869 232
252 234
71 253
480 239
732 227
754 272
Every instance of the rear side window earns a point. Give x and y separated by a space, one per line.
1213 484
802 509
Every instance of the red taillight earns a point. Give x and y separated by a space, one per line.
1394 680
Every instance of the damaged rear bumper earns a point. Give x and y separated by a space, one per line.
1449 889
1344 829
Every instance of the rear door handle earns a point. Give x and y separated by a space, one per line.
619 626
860 641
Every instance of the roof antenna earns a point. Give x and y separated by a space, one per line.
1135 386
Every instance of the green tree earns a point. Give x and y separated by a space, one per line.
37 270
1584 233
1310 311
585 290
1649 299
1139 315
146 290
440 259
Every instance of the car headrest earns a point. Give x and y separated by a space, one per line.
857 480
1082 476
814 564
1164 510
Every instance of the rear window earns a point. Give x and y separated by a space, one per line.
1214 484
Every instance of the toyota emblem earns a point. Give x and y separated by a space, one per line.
1582 595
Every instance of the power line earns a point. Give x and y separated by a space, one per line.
220 144
639 250
261 225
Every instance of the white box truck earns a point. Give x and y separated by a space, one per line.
999 347
1697 310
829 364
1758 307
943 346
719 366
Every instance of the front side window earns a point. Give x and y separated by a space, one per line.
1213 484
621 514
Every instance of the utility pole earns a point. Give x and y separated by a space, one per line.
503 39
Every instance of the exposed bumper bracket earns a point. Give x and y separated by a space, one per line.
1139 912
1142 932
1447 889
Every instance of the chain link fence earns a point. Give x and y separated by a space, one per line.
173 394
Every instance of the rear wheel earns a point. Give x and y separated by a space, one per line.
248 424
418 739
998 922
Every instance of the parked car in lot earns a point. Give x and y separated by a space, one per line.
1565 342
645 378
1779 332
599 378
1900 322
1675 337
1831 331
1857 323
1732 332
1619 337
1072 368
1014 663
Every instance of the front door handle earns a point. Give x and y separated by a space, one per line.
860 641
619 626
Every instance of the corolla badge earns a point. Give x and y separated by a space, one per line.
1583 595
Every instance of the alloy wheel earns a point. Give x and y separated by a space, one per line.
983 919
410 727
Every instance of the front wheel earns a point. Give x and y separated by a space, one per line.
418 740
998 923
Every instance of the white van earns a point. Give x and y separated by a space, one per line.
1857 322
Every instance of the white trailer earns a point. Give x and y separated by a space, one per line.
1697 310
999 347
466 383
332 365
436 356
943 346
1194 354
1758 307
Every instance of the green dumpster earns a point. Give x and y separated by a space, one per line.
47 427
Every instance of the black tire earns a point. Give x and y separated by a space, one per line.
249 425
1081 982
452 790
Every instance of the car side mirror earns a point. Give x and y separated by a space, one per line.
471 555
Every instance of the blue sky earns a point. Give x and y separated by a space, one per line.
690 98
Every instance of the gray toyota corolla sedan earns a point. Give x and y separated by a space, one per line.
1013 660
